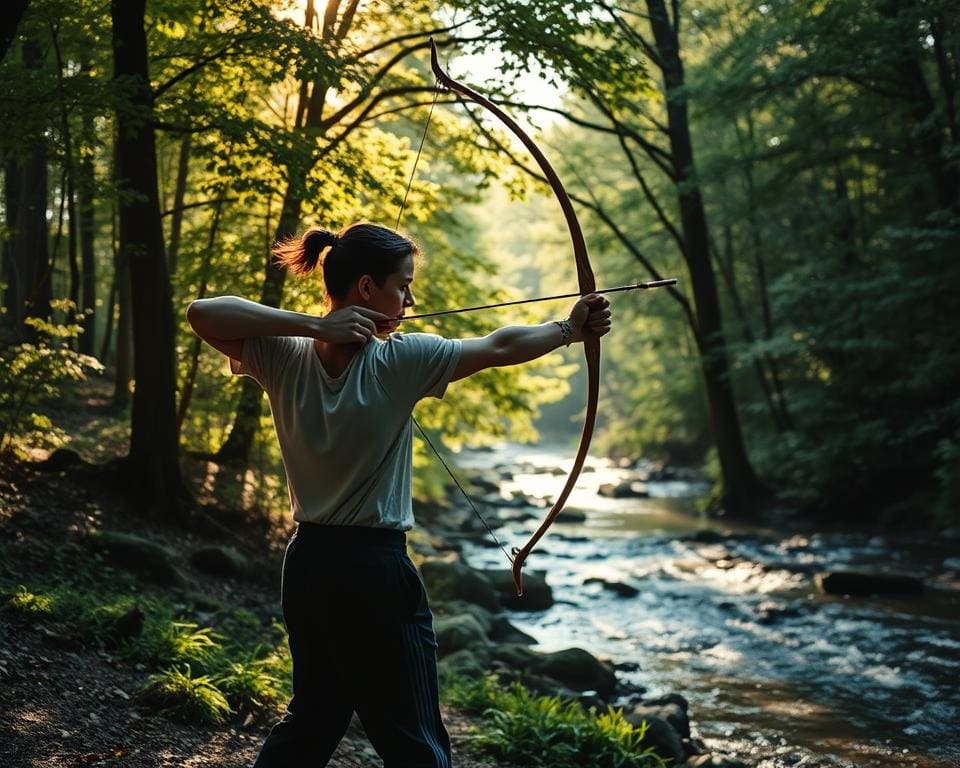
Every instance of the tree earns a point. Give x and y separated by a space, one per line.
151 469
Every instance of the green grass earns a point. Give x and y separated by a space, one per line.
200 673
542 732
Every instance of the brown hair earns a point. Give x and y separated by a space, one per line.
360 249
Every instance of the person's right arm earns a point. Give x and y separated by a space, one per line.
225 321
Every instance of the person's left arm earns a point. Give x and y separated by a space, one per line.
514 344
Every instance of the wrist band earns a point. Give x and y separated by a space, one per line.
566 331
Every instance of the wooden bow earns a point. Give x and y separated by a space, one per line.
586 283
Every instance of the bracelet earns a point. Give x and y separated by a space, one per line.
566 331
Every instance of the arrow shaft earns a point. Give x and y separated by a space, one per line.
618 289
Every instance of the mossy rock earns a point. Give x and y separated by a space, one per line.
454 633
448 581
220 561
140 556
537 595
578 669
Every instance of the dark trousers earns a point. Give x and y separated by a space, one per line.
362 640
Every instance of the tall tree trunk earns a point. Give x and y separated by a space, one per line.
152 466
9 20
179 193
28 269
309 113
743 494
86 184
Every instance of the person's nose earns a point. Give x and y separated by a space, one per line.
408 300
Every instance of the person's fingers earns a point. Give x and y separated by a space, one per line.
372 314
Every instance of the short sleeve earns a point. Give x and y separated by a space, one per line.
420 364
264 358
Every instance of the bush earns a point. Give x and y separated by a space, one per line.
31 372
547 731
181 696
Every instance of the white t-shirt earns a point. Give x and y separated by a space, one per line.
347 442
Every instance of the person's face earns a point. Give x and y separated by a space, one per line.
395 295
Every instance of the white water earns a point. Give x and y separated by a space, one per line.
739 628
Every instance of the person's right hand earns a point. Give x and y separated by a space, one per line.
350 325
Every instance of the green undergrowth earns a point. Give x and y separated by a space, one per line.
530 730
228 668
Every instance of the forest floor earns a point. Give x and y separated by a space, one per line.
67 702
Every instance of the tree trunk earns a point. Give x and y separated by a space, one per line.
9 20
152 468
86 184
28 270
309 114
179 193
743 494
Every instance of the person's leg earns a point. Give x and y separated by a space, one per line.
323 702
399 702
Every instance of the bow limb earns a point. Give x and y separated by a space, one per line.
586 283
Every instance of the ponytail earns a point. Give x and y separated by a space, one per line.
302 255
360 249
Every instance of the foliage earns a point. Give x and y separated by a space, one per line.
185 697
31 373
546 731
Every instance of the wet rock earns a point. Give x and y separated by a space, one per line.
628 489
447 580
660 735
454 633
672 712
715 761
515 657
146 558
669 698
537 596
220 561
620 588
577 669
456 607
858 583
769 612
503 631
485 483
705 536
571 515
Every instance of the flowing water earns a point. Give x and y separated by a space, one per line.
739 627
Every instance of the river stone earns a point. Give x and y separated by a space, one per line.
478 612
447 580
628 489
672 713
537 596
219 561
455 633
465 662
141 556
669 698
503 631
715 761
857 583
577 669
620 588
660 735
571 515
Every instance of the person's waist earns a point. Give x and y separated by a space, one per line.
339 536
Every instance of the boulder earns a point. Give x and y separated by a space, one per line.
503 631
516 657
577 669
465 662
220 561
669 698
537 596
620 588
61 459
455 633
457 607
858 583
659 735
673 713
141 556
628 489
448 580
571 515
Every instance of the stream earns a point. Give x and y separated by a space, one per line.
735 622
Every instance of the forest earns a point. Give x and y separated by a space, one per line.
795 165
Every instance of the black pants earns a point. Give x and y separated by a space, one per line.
362 640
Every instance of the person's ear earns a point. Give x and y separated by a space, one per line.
365 287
